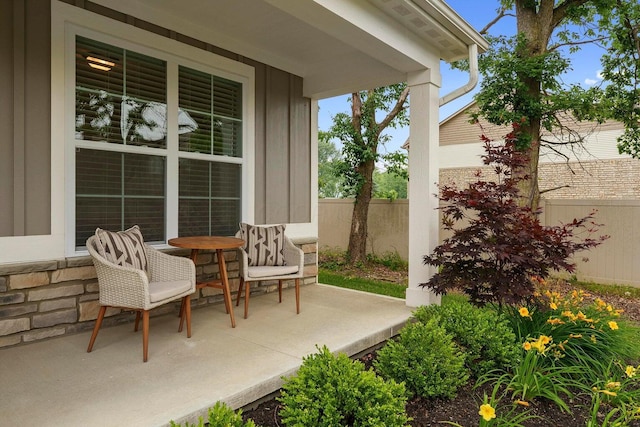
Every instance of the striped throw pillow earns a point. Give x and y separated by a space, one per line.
125 248
264 245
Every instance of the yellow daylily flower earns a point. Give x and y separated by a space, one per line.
487 412
524 312
555 321
613 325
526 346
612 385
553 306
630 371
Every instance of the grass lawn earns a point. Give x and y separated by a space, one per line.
361 284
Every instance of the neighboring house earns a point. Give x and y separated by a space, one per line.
594 170
186 117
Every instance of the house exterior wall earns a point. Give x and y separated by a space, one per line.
56 296
25 88
594 170
596 179
283 129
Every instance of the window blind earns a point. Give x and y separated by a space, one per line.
120 95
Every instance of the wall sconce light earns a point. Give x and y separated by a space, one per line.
100 64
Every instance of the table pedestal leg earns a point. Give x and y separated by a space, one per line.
225 285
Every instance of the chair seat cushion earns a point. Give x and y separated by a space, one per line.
159 291
272 271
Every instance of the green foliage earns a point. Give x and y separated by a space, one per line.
585 334
330 180
484 336
333 391
425 358
361 134
621 69
493 412
389 186
533 378
391 260
522 77
504 97
221 416
617 393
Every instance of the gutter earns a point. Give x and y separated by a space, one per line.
473 78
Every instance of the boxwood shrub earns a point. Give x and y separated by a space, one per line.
333 390
484 336
425 358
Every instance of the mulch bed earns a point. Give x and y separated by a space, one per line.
463 409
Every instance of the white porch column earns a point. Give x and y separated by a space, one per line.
423 175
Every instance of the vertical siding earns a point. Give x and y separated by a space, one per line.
277 144
300 153
260 188
37 132
25 177
6 118
283 117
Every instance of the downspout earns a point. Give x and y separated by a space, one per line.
473 78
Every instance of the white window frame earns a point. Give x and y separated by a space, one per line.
69 21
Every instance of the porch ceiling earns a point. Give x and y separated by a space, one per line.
337 46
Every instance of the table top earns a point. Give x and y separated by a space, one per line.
206 242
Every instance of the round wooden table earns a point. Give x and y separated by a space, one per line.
219 244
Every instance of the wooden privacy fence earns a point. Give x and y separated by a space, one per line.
617 260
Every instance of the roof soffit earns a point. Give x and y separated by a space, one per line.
337 46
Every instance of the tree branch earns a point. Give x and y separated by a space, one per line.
356 112
502 12
576 43
394 112
554 188
560 12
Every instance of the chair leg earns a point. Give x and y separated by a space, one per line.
239 292
145 335
96 328
280 290
187 309
247 292
135 328
297 296
183 311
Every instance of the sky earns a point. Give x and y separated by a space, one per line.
478 13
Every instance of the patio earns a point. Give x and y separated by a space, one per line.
56 382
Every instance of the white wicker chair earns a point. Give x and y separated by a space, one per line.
170 278
293 270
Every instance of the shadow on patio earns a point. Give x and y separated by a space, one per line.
56 382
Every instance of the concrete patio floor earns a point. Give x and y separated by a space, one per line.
57 383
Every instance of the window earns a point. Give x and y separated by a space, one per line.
125 154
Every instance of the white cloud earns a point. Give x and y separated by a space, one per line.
599 74
590 82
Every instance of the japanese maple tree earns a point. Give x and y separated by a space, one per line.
497 245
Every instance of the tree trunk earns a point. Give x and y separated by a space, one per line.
357 250
537 25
